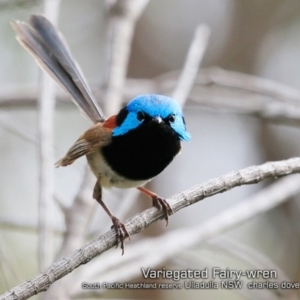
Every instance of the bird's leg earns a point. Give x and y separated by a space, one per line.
119 227
159 203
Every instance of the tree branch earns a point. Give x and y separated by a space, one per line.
62 267
124 15
252 83
257 106
192 63
47 95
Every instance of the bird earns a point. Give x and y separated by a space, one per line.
125 150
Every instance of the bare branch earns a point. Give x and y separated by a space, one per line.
46 111
252 83
142 220
243 103
124 15
192 63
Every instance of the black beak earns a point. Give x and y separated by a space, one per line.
157 119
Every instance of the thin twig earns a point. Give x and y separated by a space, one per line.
46 180
192 63
124 15
252 83
253 105
142 220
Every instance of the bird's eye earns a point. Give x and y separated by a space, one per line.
171 118
140 116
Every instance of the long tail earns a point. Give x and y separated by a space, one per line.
48 48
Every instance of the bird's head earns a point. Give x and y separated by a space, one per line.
151 108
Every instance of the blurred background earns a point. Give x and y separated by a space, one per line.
241 107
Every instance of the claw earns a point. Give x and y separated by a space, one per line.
121 232
159 203
162 204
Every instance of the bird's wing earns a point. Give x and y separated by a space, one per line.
48 48
96 137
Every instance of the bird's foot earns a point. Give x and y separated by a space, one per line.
121 232
162 204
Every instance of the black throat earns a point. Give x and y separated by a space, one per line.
144 152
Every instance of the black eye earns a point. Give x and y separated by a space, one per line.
140 116
171 118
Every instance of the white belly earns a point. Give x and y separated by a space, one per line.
107 177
